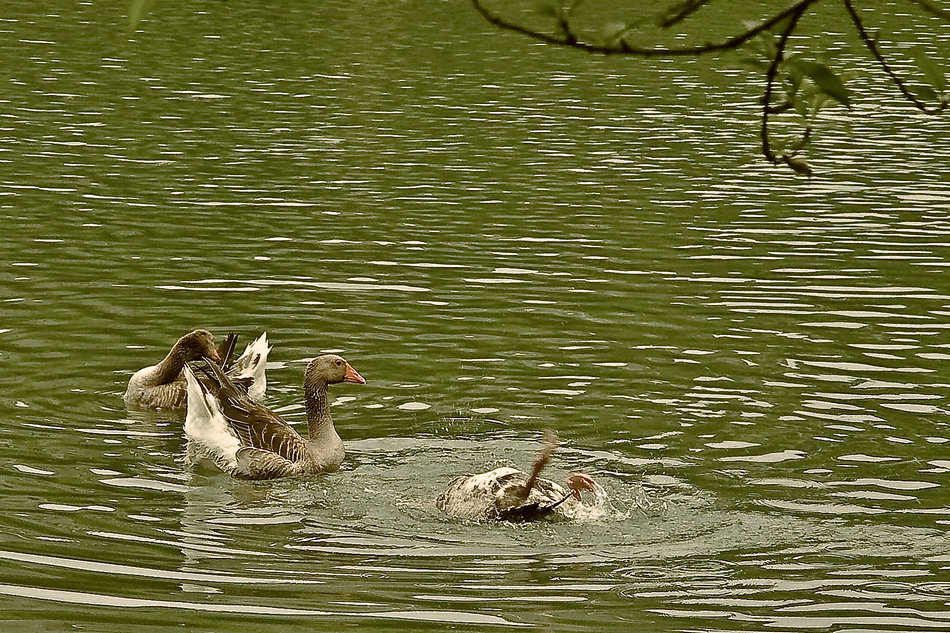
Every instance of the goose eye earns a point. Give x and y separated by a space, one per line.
339 363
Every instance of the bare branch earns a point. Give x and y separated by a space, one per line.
510 26
784 23
876 52
623 48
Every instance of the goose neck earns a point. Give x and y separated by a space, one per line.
170 368
318 408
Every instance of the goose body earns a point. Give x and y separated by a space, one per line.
250 441
509 494
499 494
162 386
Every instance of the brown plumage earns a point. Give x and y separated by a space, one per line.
249 440
161 386
508 494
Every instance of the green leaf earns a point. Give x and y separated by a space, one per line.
801 106
754 62
803 142
933 71
792 65
826 80
764 45
138 9
552 9
798 165
815 99
793 81
611 33
925 93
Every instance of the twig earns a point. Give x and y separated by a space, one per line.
876 52
623 48
802 142
770 82
785 22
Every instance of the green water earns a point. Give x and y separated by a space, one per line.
501 237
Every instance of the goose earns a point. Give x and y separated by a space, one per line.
248 440
509 494
162 386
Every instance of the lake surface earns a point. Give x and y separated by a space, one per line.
501 237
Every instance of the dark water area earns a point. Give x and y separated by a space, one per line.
501 237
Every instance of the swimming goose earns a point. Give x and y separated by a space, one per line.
508 494
248 440
162 386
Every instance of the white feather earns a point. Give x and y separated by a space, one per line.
252 364
473 496
206 426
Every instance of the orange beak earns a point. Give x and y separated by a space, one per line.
215 356
353 376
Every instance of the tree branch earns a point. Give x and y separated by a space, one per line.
623 48
769 85
783 23
876 52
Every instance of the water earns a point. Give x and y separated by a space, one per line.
501 237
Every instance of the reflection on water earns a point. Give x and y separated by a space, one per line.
505 238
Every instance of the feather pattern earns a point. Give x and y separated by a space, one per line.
259 444
255 463
251 365
207 429
499 494
508 494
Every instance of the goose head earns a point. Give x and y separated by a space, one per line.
331 369
197 345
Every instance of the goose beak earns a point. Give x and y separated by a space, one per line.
215 356
353 376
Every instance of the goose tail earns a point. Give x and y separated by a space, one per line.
206 427
226 349
250 366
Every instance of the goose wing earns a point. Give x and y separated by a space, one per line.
226 350
251 366
254 424
256 463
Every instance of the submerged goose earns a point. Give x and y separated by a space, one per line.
162 386
248 440
508 494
